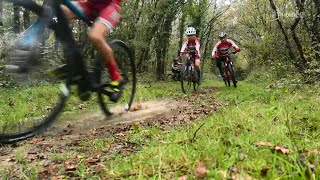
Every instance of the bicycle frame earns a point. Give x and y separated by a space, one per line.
228 69
189 63
54 18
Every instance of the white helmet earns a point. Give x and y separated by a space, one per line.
191 31
222 34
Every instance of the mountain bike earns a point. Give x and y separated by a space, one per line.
28 66
188 76
229 74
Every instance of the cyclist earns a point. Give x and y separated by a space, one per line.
222 48
108 16
192 40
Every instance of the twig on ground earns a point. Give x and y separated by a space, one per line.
195 133
191 140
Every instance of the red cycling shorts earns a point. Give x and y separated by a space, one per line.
108 12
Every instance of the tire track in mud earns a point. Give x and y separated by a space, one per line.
141 111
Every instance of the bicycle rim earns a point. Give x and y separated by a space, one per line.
30 98
186 79
126 65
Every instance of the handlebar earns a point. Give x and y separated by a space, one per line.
190 49
229 53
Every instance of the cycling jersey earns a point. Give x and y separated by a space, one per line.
188 43
108 11
106 1
222 48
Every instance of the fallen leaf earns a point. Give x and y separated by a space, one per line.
99 168
183 177
234 172
11 159
31 157
282 150
36 140
262 143
312 152
44 172
120 134
91 161
61 177
70 165
55 169
45 145
201 170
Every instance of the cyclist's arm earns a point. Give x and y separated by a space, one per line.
215 49
235 47
183 49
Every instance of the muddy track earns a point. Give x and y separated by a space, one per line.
141 111
67 135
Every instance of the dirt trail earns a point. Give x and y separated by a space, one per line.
145 111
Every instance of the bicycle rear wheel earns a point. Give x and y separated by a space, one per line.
186 78
30 98
127 69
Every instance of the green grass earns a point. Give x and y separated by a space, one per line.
254 113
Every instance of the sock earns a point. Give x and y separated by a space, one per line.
113 70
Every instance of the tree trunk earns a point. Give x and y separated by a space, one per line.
181 29
316 28
26 19
16 19
163 37
294 32
286 37
1 13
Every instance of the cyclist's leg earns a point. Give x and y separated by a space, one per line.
219 61
84 6
197 67
108 18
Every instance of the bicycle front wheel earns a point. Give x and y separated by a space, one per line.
126 66
232 74
30 98
195 83
186 78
